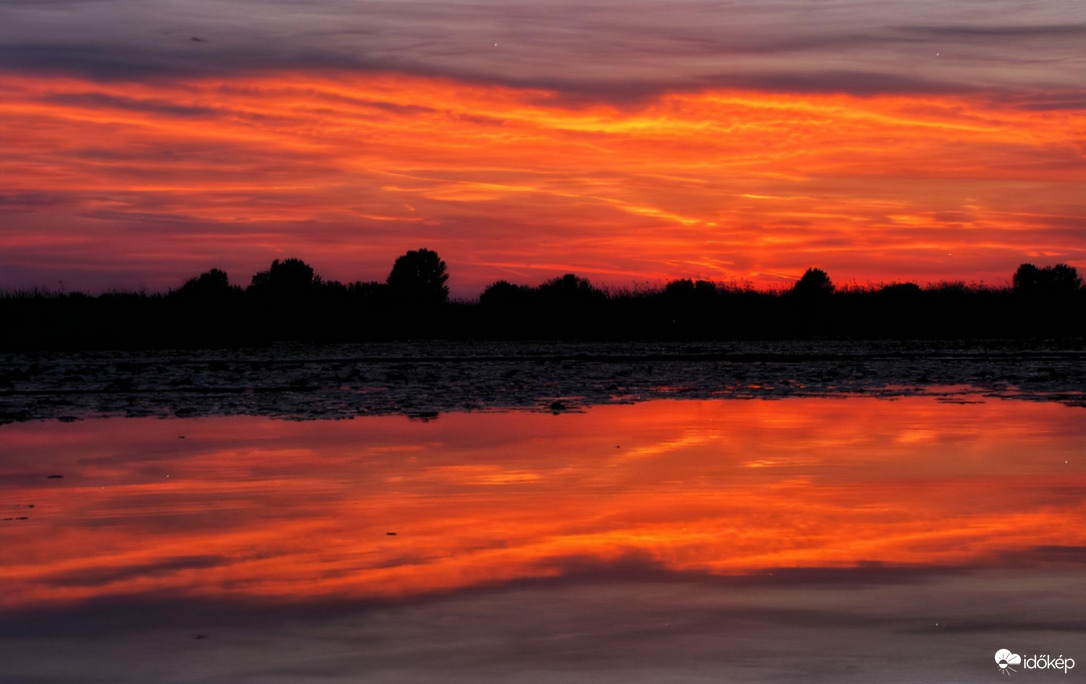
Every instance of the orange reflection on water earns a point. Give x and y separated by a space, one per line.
253 507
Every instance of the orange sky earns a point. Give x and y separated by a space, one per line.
122 183
259 508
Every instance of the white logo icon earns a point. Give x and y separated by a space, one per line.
1005 659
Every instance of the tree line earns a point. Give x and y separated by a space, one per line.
290 302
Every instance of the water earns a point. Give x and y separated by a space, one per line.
424 378
833 538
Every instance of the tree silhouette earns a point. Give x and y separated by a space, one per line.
901 291
684 288
1064 279
504 295
1026 279
213 284
570 290
814 283
418 277
1057 280
291 278
704 288
681 288
289 302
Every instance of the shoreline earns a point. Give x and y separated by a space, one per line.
423 380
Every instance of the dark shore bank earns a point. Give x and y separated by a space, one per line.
424 379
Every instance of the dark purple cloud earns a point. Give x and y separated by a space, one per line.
615 50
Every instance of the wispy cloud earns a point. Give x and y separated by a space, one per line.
611 50
634 140
165 179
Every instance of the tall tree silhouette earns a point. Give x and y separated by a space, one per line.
418 277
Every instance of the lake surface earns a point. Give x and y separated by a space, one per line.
833 538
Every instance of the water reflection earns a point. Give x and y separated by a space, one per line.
390 508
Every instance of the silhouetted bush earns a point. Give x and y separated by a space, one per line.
901 292
211 285
569 290
814 283
679 289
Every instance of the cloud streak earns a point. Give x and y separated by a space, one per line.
605 50
158 181
631 141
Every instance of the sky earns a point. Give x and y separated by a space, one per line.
146 141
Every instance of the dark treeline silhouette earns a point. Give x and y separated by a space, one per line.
290 302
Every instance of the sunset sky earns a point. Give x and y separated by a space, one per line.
145 141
